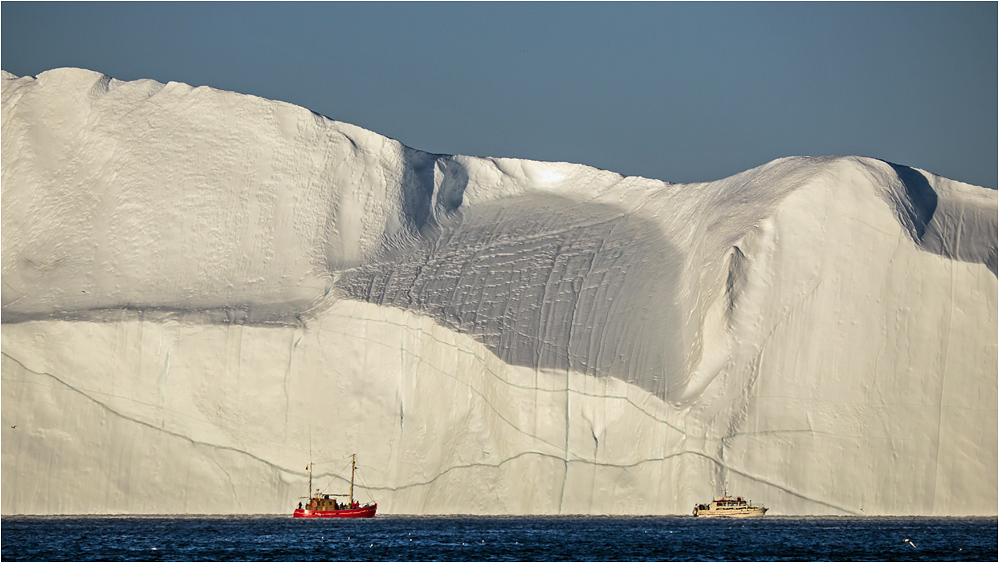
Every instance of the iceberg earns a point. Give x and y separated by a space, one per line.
205 291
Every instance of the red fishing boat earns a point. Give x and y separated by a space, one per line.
326 506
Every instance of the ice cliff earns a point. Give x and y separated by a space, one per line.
201 287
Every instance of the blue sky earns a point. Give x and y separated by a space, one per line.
677 91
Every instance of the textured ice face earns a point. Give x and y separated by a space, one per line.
200 287
544 282
223 207
946 218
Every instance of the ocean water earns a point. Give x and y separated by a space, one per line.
474 538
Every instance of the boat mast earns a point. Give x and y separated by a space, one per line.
353 463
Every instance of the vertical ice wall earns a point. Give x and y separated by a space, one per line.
200 287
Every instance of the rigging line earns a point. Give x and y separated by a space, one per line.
335 476
329 481
364 485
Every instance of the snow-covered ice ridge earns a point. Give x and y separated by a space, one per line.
201 286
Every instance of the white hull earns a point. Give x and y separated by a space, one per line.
729 507
733 513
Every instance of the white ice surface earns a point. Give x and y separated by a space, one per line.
199 286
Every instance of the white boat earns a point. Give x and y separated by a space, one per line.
731 507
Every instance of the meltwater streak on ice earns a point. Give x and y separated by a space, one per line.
199 286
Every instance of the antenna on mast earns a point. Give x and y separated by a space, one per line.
310 469
353 464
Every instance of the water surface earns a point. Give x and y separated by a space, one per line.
474 538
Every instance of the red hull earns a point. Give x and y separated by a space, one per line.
362 512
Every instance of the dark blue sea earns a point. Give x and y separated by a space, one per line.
474 538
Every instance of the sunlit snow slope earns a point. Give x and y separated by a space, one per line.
201 287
